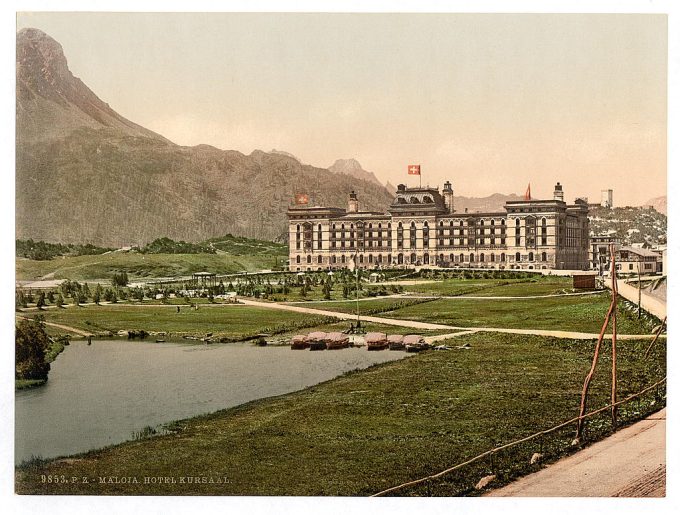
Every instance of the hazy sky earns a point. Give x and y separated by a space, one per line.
488 101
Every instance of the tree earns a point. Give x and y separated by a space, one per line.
50 297
97 295
41 300
86 291
20 299
119 279
59 301
31 344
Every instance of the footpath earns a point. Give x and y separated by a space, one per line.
629 463
430 326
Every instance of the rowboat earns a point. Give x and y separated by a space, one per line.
415 343
317 340
337 341
299 342
396 341
376 341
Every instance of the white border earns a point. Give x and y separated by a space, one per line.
149 505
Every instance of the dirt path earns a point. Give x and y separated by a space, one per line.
630 463
655 306
431 326
67 328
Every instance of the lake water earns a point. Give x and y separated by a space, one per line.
101 394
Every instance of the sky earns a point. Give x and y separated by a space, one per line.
491 102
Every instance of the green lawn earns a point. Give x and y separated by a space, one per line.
372 429
490 287
577 313
366 307
231 321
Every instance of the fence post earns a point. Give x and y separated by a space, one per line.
615 293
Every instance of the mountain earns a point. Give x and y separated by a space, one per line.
85 174
658 203
495 202
352 168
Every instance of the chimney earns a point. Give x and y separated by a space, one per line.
353 205
558 194
447 193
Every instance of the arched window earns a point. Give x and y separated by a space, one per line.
319 259
335 259
472 257
531 256
400 259
414 258
481 257
297 260
493 258
309 259
502 257
342 259
544 256
517 257
426 259
462 258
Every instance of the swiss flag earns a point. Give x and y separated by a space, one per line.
414 169
301 198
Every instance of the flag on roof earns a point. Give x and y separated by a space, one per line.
527 193
414 169
301 198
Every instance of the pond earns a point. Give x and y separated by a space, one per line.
101 394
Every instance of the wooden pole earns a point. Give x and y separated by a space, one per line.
586 383
615 291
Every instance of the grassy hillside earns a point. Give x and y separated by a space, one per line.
136 265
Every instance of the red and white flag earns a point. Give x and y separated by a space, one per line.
527 193
301 198
414 169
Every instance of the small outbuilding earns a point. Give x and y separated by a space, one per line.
584 280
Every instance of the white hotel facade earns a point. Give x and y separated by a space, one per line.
421 228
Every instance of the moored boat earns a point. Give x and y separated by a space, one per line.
337 341
376 341
317 340
396 341
415 343
299 342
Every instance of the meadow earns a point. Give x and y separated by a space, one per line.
368 430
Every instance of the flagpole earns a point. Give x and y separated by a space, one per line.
356 273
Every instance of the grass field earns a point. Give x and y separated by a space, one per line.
230 321
372 429
138 266
367 307
579 313
543 285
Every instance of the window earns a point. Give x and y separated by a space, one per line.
309 259
517 257
319 259
481 257
297 260
544 256
472 258
531 256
